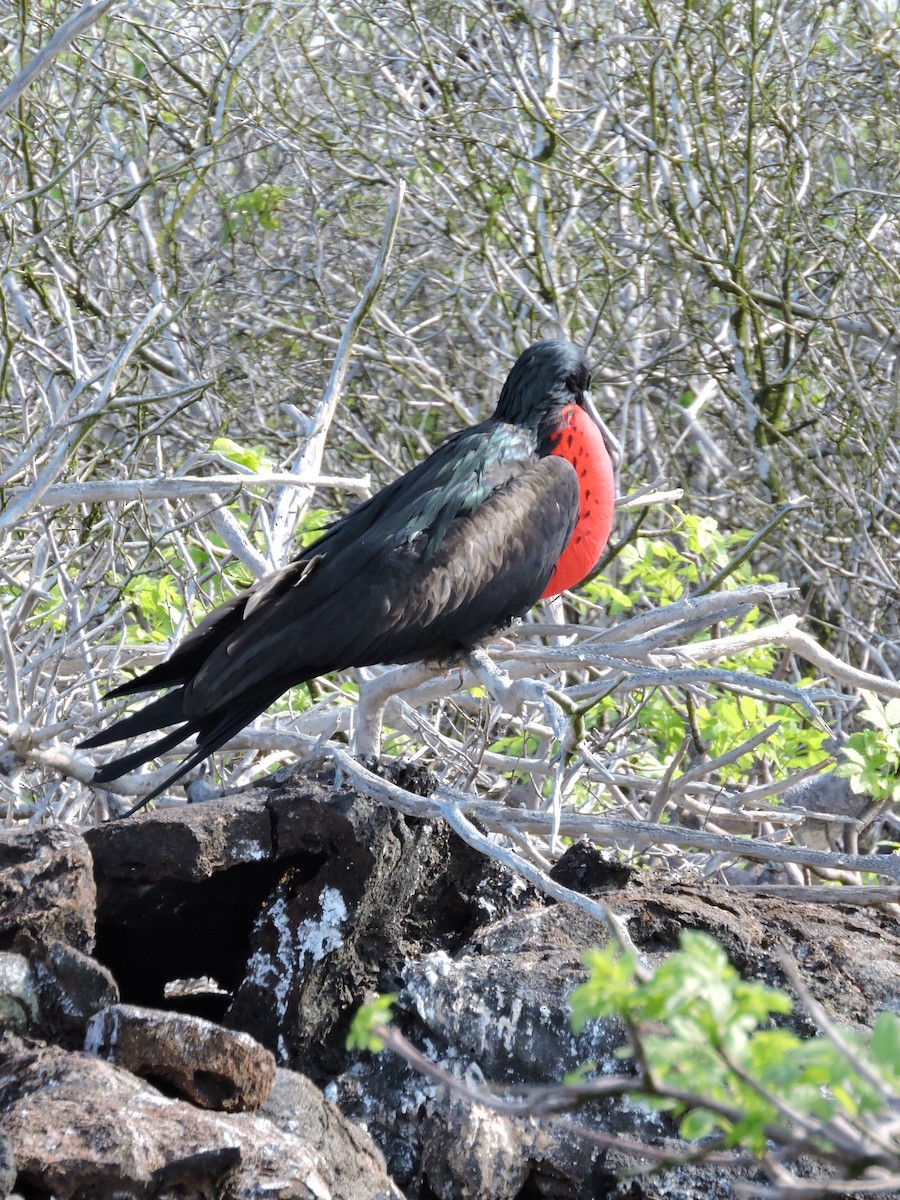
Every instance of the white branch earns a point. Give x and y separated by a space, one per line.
178 487
291 503
64 36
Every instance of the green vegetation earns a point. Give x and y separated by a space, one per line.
368 1018
699 1037
713 1050
871 757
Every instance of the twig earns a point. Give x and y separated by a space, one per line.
609 831
648 499
178 487
291 502
232 534
807 647
374 695
541 1100
810 1189
27 498
616 926
713 585
64 36
828 1027
797 893
691 609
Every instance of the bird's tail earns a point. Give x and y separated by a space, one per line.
209 739
166 710
128 762
212 732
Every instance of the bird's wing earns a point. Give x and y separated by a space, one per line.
396 593
455 478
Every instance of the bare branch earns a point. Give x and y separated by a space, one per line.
77 23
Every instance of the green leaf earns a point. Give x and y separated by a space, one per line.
369 1017
699 1124
610 985
578 1076
252 457
886 1044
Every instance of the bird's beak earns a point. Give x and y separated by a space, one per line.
612 442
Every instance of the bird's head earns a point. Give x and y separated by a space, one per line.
547 378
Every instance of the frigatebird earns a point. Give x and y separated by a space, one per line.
500 515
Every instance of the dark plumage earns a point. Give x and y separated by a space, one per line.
443 557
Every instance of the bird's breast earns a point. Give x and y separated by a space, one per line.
580 441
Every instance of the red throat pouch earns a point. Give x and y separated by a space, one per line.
581 443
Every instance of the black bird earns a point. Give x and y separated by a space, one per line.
511 510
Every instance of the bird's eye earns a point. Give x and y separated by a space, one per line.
578 385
